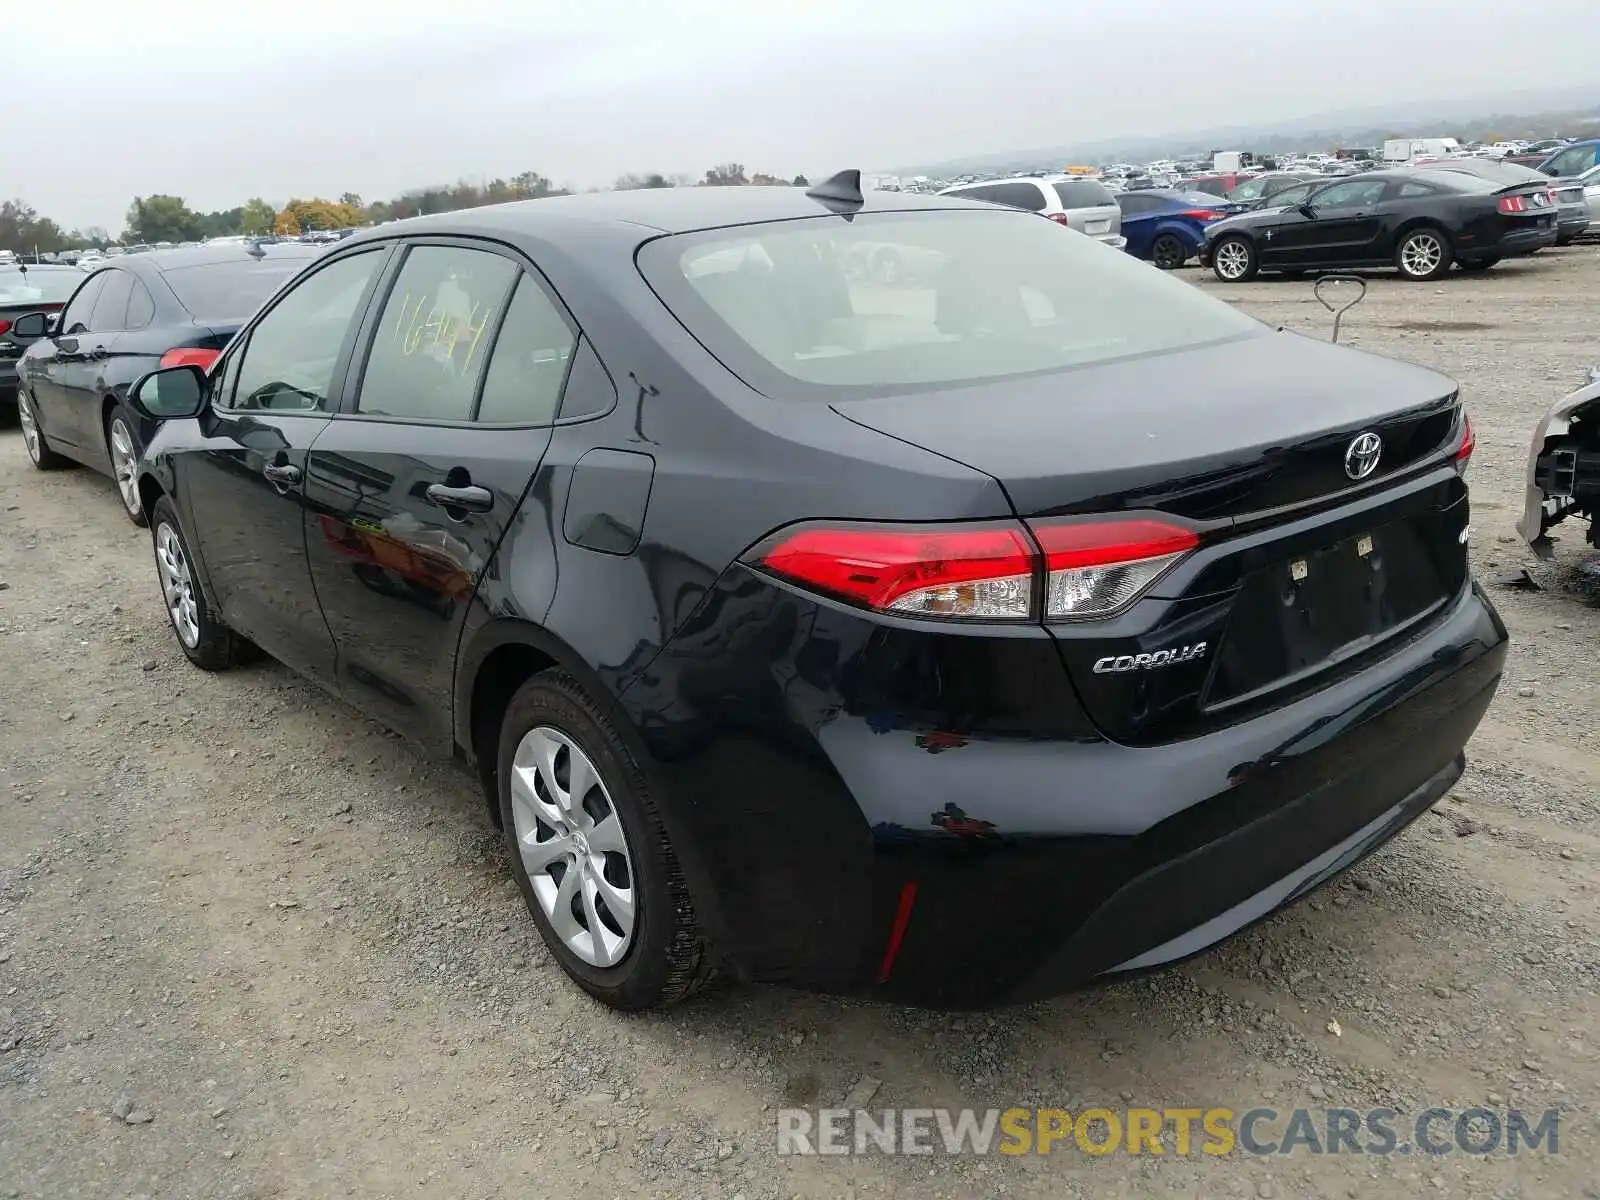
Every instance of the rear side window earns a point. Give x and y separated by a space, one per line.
1415 191
1083 193
794 308
529 363
232 290
1021 194
141 308
1133 204
433 338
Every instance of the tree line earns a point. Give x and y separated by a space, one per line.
164 218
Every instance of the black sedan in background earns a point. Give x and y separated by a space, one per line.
23 290
141 312
1415 220
948 639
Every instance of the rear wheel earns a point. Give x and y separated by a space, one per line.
123 447
590 851
1423 254
1234 260
1168 252
1477 264
33 439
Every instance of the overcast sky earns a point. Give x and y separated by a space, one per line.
223 101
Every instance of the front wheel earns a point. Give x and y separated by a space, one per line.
204 639
1168 252
591 853
1234 260
1424 254
123 448
33 439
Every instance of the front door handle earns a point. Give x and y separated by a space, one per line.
281 475
469 498
99 353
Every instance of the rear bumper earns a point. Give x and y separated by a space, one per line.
1115 240
1526 241
1572 225
1024 865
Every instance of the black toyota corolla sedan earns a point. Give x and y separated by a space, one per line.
953 639
1417 221
131 316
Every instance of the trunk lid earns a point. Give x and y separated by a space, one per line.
1303 573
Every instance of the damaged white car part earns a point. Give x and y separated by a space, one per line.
1564 468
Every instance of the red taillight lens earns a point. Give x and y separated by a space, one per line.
976 572
987 572
1550 196
1512 204
5 326
1466 445
1201 214
1095 568
190 356
1059 218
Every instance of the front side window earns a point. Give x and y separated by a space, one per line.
293 352
1356 194
433 338
1289 197
1574 161
75 319
977 295
529 364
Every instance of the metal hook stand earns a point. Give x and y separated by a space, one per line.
1339 310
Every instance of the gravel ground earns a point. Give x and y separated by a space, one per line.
252 945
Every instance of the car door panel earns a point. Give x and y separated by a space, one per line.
81 372
273 395
410 492
47 362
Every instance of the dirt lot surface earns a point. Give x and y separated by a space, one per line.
252 945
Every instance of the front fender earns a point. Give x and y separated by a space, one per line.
1556 423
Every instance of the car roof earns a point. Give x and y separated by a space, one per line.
645 211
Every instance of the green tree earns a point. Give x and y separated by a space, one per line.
256 217
161 218
726 175
801 181
351 199
654 179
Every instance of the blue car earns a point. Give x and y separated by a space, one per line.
1168 228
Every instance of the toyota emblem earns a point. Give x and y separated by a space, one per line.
1361 456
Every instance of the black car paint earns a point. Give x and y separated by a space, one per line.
75 379
1305 237
13 344
824 769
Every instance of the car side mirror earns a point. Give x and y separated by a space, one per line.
1306 210
171 393
32 325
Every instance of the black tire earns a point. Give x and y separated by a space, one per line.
33 439
1168 252
1235 270
1477 264
666 959
1566 239
216 647
1411 253
121 424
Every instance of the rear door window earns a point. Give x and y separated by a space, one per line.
111 309
529 364
1020 194
433 337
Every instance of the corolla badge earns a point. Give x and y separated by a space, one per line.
1361 456
1116 665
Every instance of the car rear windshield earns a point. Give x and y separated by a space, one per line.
828 308
229 290
38 285
1083 193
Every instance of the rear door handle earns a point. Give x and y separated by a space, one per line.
281 474
470 498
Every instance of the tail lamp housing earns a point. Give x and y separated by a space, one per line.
190 356
1466 443
993 571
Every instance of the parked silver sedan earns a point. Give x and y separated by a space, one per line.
1078 201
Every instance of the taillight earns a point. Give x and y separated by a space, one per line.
972 572
1466 445
1512 204
1059 218
190 356
1202 214
5 326
1098 567
1550 196
981 572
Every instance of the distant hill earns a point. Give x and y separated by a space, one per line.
1531 113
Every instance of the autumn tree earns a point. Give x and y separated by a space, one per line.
318 213
285 224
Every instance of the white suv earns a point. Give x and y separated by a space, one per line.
1078 201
